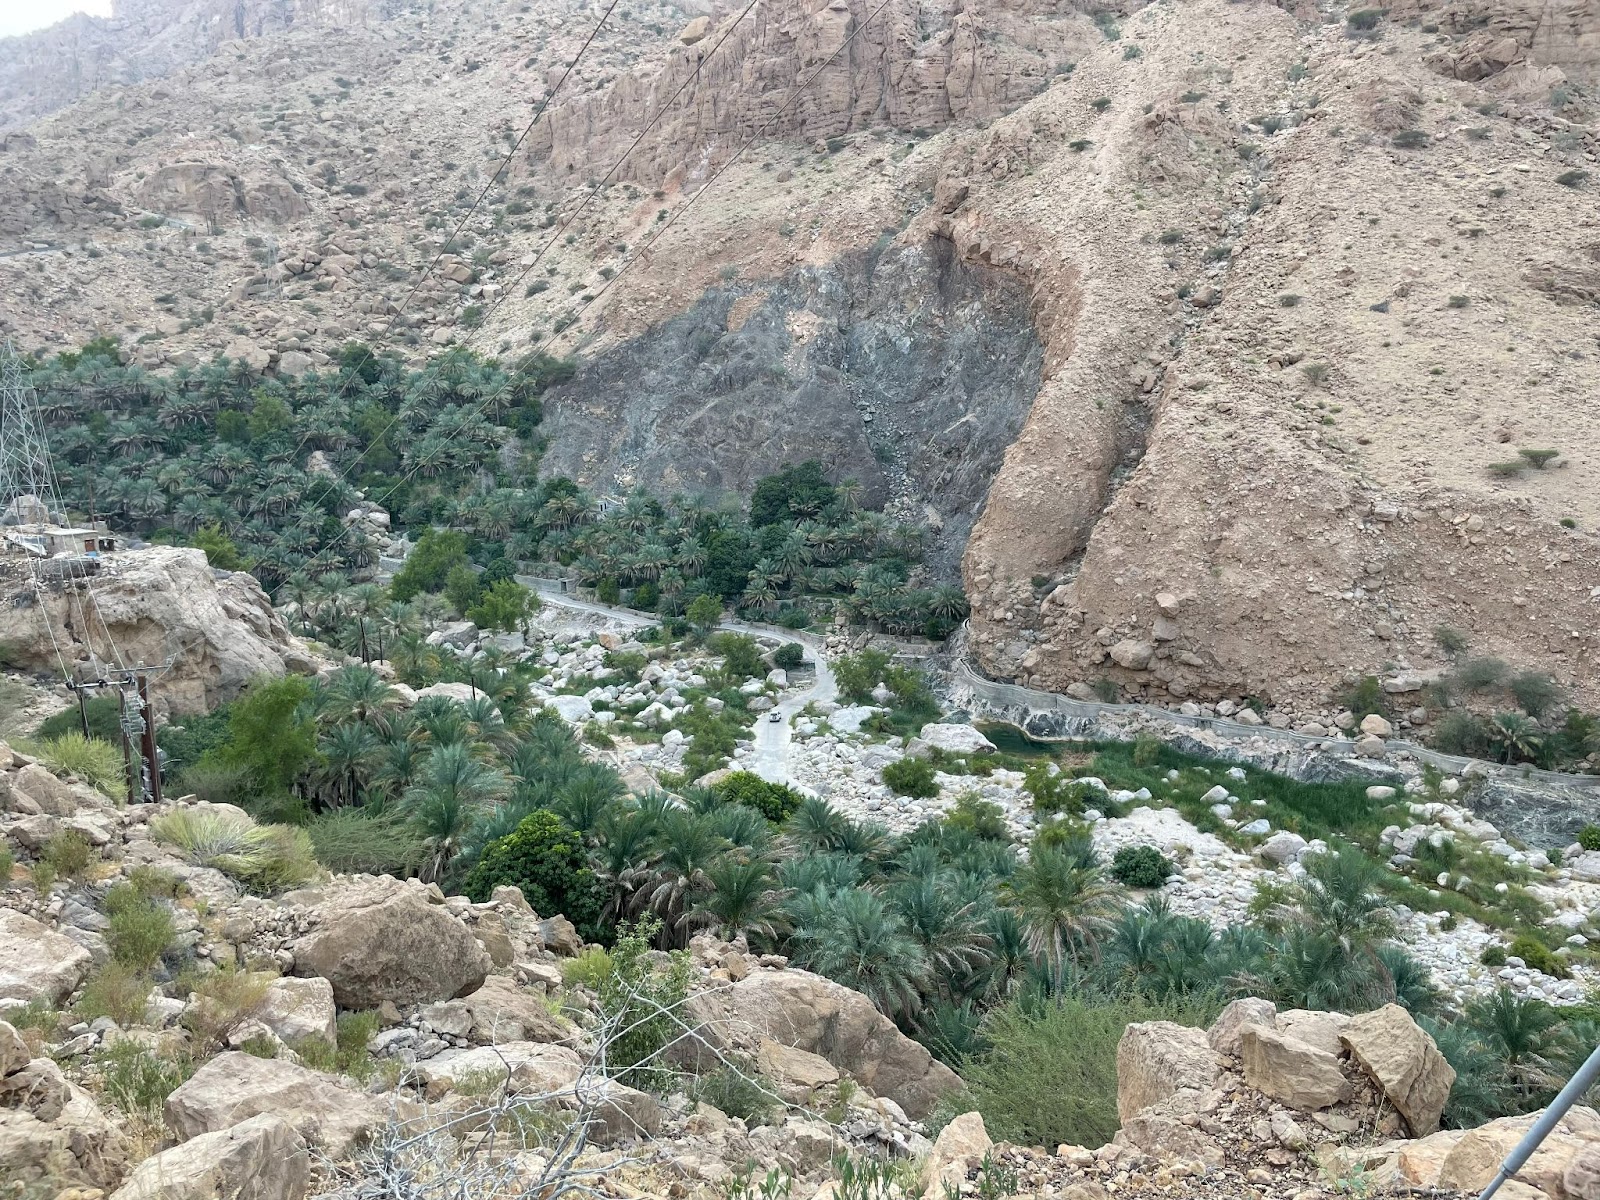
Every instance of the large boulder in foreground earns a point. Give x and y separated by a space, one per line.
36 962
52 1135
1156 1059
1402 1058
235 1086
1291 1071
385 940
262 1158
811 1013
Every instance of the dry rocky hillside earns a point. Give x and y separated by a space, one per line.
357 1031
1207 320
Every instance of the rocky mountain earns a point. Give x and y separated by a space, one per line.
1301 285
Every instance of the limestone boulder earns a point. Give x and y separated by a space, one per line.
954 739
221 628
36 962
1477 1154
51 796
1156 1059
795 1074
503 1011
1405 1062
384 941
300 1008
52 1135
262 1158
233 1087
808 1012
1320 1030
962 1142
1225 1032
1290 1071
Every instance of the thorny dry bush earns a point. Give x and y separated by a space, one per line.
508 1143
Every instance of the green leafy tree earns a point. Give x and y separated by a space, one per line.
703 614
429 564
791 493
546 859
505 605
220 550
269 415
270 735
462 587
741 655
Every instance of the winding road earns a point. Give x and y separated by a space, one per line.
769 753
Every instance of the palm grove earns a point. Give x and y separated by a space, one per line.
994 955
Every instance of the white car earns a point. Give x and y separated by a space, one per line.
775 717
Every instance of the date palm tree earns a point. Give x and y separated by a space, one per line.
450 794
1065 907
854 939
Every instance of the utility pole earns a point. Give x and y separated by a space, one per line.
141 758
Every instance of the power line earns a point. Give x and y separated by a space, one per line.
598 187
644 250
450 241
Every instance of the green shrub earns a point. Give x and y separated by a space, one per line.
117 991
1056 791
68 854
911 777
141 927
545 858
1050 1076
97 763
137 1081
741 655
1538 956
1147 750
734 1090
1141 867
1480 674
1589 837
588 970
641 1002
224 1000
1535 692
1493 956
105 721
263 857
1449 639
1364 697
773 801
1461 732
8 863
789 655
1365 19
348 840
348 1055
216 783
982 818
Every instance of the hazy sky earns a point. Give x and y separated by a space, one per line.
21 16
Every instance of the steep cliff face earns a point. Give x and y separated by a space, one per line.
909 370
915 64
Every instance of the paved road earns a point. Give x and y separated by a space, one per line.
769 755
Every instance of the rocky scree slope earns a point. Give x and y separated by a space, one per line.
1297 284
